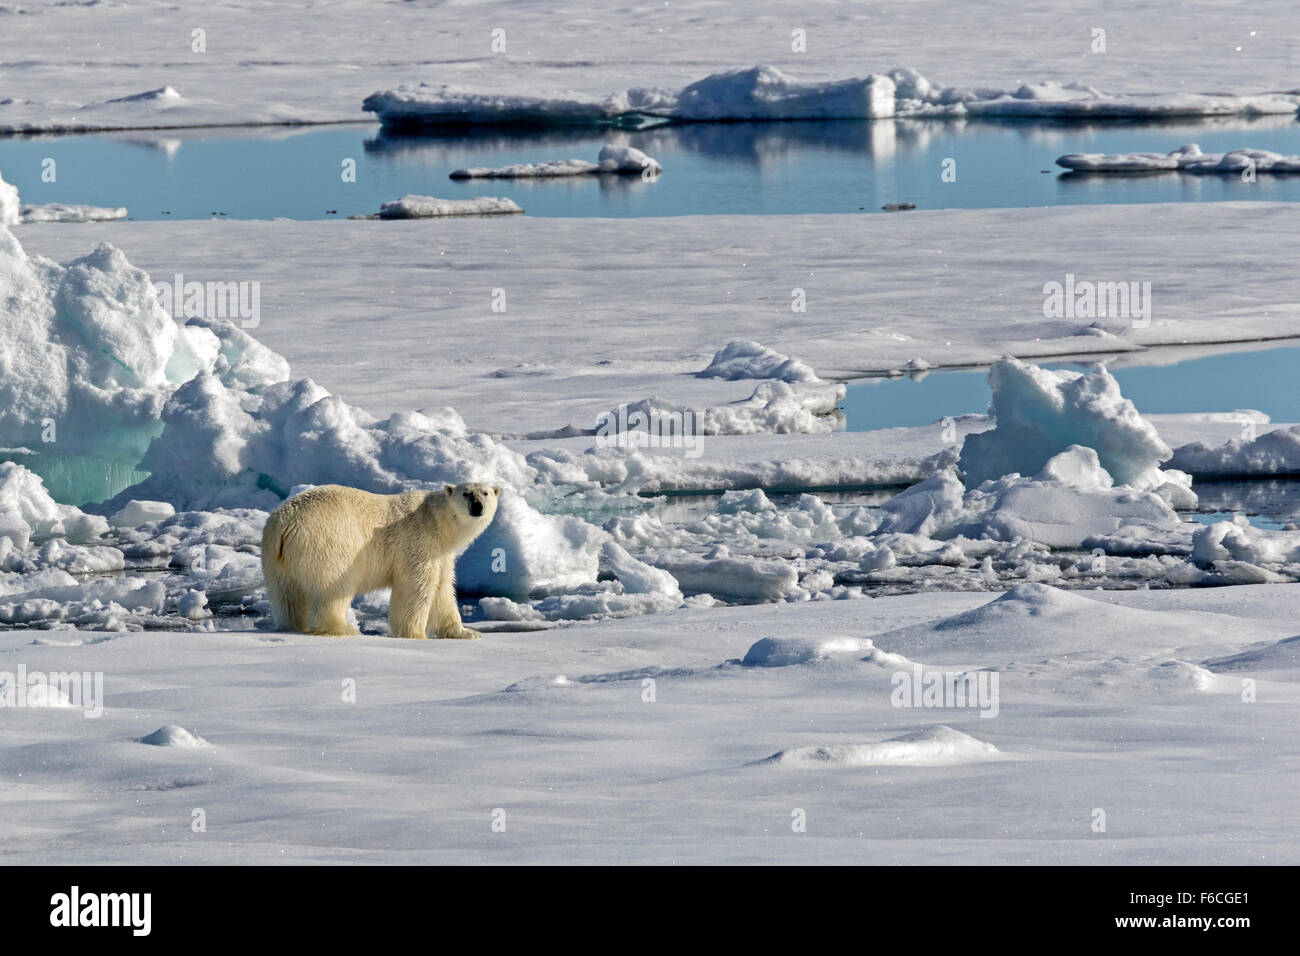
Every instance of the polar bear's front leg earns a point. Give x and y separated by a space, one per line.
444 615
408 609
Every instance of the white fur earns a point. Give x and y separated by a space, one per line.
323 547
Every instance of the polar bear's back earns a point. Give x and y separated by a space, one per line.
325 530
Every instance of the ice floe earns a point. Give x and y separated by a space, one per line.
612 159
1185 159
430 207
768 93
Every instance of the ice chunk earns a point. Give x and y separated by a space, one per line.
28 512
740 577
1040 413
742 359
1069 501
766 93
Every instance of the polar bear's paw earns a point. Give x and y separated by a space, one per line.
464 634
335 629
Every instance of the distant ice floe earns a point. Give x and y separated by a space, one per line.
428 207
163 106
619 160
61 212
1276 452
1185 159
767 93
13 212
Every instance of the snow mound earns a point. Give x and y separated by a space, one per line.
1185 159
171 735
1090 676
785 651
524 552
1022 602
9 208
934 746
612 159
741 359
1040 413
427 207
1282 655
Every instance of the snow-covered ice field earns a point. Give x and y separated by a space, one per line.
1014 637
1106 702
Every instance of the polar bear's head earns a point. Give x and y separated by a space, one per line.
474 503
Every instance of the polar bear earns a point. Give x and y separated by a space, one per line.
326 545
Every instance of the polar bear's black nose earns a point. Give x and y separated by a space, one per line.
475 507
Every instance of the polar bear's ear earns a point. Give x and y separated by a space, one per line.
450 489
496 489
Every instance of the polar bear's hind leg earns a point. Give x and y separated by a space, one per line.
289 604
330 618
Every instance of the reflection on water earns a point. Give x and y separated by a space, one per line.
1267 503
740 168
